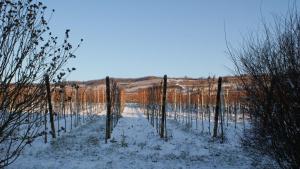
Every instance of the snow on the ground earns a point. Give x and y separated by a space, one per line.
138 145
134 144
76 149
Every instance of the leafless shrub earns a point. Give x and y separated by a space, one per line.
269 66
28 51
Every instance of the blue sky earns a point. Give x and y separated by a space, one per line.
135 38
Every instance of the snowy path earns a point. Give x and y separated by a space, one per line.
134 144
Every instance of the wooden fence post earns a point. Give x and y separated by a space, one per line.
108 111
217 107
163 108
77 117
45 121
208 103
175 104
50 106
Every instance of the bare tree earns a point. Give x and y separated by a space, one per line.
269 67
28 51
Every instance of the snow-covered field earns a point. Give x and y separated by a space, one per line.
135 144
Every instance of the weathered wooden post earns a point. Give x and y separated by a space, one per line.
108 111
189 112
202 111
208 103
44 108
180 105
235 114
217 107
197 113
227 106
148 103
144 100
50 106
175 106
71 109
77 117
62 106
163 108
243 111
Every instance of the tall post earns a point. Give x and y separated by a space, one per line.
217 107
71 109
197 114
108 111
202 111
189 121
175 106
44 107
228 105
180 106
62 105
77 117
235 114
208 103
50 106
163 108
